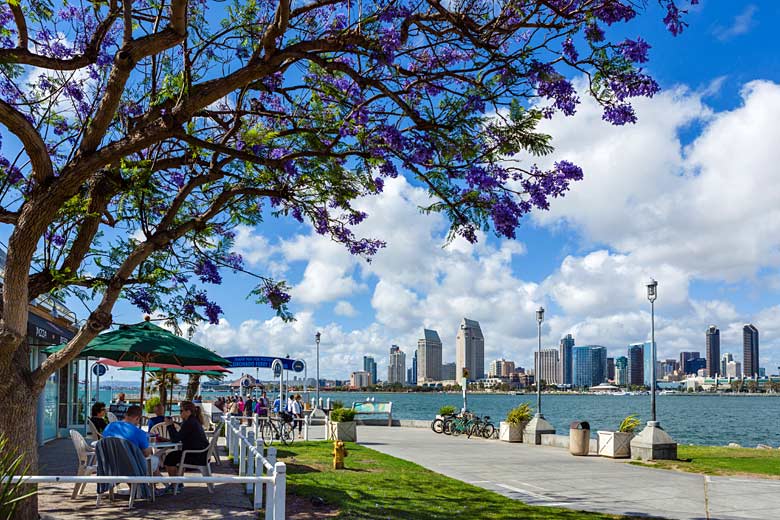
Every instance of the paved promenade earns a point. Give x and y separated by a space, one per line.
548 476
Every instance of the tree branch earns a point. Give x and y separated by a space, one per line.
28 135
21 24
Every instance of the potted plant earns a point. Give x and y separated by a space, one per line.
617 445
445 410
341 425
511 430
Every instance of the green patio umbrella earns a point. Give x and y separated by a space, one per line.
147 343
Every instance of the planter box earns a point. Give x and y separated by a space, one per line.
508 432
341 431
616 445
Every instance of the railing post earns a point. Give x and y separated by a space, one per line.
306 427
228 436
242 449
250 460
258 497
235 440
280 490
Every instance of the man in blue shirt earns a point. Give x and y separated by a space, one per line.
128 429
159 412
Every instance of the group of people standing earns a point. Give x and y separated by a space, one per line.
240 407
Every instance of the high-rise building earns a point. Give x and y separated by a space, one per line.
360 379
686 356
692 366
733 369
396 366
589 365
501 368
470 350
549 371
411 373
621 371
636 368
647 358
610 369
564 358
428 357
712 350
448 372
750 350
369 365
668 367
725 359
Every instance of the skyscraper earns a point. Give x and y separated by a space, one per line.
687 356
396 366
470 350
733 369
610 369
712 350
501 368
725 359
428 357
412 372
750 350
448 372
369 365
589 365
549 371
564 358
636 369
621 371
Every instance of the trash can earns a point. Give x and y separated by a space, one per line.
579 438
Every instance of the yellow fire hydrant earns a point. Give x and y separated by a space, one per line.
339 452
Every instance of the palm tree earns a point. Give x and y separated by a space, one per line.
159 382
193 384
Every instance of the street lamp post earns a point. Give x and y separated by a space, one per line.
652 294
317 340
539 320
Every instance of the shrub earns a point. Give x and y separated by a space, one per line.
629 424
151 403
11 464
335 405
519 414
343 415
447 410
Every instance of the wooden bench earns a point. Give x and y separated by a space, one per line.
368 408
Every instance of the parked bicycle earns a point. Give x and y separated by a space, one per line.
277 429
482 427
437 425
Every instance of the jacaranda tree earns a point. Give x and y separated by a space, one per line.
139 133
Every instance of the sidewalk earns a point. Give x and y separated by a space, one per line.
548 476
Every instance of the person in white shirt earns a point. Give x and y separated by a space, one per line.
297 411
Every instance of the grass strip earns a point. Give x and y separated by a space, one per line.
375 485
718 460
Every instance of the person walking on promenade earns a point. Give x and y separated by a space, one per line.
261 408
297 411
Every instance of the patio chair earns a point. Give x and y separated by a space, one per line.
111 417
214 443
120 457
204 470
86 456
161 431
93 432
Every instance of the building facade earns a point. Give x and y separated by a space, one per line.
360 379
621 371
428 357
589 366
733 369
686 356
610 369
369 365
396 366
725 359
564 358
692 366
470 350
712 350
501 368
411 373
750 350
647 357
548 369
448 372
636 364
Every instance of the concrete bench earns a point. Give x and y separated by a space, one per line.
367 408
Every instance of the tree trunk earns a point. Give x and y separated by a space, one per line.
18 411
193 384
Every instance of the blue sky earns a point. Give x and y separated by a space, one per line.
686 195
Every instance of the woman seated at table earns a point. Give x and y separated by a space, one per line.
99 416
191 436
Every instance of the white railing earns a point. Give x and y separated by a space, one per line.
256 423
244 451
255 472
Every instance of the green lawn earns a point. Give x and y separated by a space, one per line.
375 485
717 460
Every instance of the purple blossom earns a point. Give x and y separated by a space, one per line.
594 33
208 271
275 296
390 41
235 261
569 51
634 50
379 184
142 299
388 169
178 178
633 84
613 11
212 312
356 217
619 114
55 239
